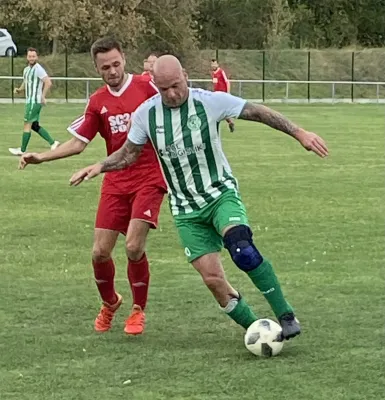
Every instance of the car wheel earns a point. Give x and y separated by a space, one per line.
10 52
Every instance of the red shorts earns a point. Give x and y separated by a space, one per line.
115 211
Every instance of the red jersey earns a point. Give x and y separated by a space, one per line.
108 113
220 80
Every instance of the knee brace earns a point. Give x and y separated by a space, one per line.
239 243
35 126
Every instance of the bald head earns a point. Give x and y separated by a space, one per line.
167 65
171 80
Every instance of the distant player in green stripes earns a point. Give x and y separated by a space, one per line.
204 199
36 84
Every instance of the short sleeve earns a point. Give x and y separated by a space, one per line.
86 127
41 72
138 132
224 105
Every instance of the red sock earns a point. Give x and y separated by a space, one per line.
139 276
104 273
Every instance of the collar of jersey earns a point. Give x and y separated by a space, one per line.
174 108
123 88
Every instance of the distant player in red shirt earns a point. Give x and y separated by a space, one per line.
146 67
221 84
131 198
151 61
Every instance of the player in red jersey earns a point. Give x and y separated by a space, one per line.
131 198
151 61
221 84
146 67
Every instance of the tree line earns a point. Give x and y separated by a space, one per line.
179 26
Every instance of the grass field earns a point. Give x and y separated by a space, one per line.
321 222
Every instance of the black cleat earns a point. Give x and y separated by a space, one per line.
290 326
231 127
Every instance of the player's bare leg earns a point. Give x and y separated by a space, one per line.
138 274
213 275
231 124
104 271
19 151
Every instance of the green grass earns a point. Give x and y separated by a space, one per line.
321 222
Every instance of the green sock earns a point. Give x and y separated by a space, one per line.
25 140
266 281
46 136
242 314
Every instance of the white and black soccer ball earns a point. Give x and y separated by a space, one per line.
263 338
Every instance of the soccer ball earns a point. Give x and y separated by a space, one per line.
262 338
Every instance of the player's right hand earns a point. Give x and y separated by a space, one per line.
85 174
29 158
16 91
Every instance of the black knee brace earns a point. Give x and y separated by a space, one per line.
35 126
238 241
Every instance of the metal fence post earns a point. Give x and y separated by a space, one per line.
263 74
352 87
287 91
66 74
240 88
87 90
308 77
12 74
378 92
333 91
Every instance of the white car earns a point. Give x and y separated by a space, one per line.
7 46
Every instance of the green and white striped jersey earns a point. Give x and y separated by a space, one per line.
33 82
188 145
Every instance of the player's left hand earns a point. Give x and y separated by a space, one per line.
43 101
312 142
29 158
85 174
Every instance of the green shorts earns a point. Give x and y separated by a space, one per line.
200 231
32 112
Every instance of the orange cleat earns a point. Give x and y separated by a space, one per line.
103 321
136 321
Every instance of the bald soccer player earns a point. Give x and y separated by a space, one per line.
181 124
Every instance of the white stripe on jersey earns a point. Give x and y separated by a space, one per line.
153 85
187 172
76 125
80 137
160 138
77 120
201 157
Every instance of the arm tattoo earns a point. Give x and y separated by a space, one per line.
267 116
122 158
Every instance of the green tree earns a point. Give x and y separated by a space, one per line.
232 24
75 22
171 25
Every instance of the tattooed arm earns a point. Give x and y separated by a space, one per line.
309 140
267 116
122 158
